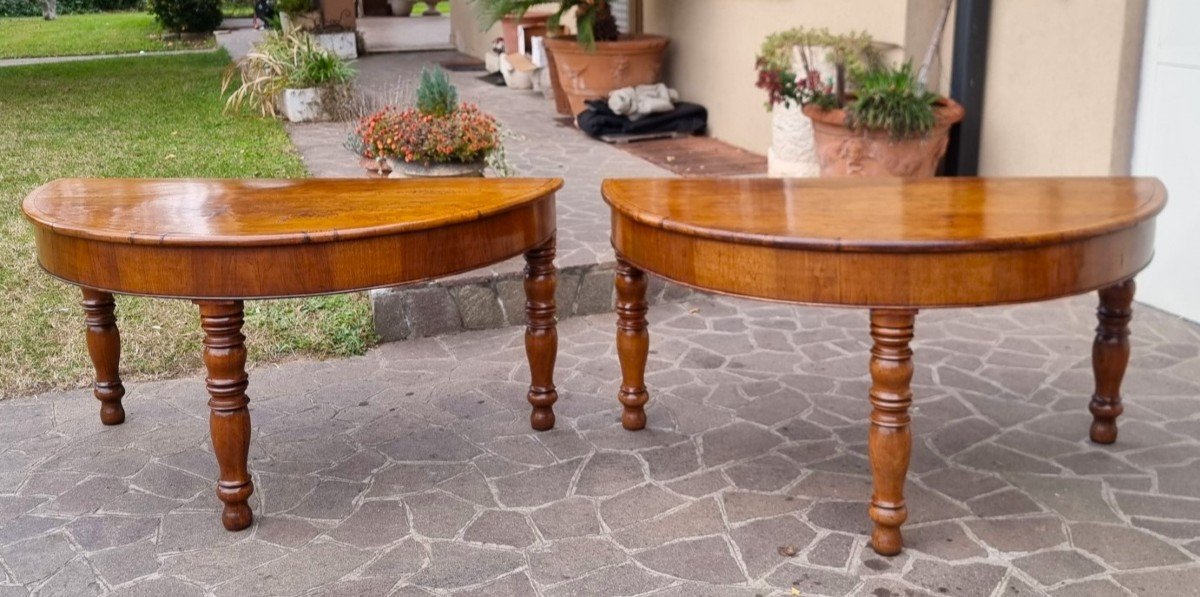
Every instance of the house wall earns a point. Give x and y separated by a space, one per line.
714 43
469 38
1061 86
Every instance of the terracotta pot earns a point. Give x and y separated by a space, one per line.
561 103
534 22
843 152
403 169
593 74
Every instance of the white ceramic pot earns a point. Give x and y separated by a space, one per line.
513 78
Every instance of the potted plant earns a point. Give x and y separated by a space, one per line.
598 59
439 137
289 73
868 118
789 63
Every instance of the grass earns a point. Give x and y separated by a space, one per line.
158 116
237 8
77 35
443 7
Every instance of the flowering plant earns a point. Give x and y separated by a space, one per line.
465 135
788 83
361 140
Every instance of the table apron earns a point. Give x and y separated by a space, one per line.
886 279
275 271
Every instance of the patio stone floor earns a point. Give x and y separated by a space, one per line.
412 471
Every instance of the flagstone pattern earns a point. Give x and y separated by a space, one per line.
412 470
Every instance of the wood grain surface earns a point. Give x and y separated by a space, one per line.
239 239
888 242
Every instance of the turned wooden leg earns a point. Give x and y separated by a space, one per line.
541 333
229 419
1110 356
633 343
890 440
104 346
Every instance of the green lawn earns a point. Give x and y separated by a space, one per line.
75 35
443 7
156 116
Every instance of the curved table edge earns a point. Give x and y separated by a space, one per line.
29 210
1157 201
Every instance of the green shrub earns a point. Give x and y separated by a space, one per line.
193 16
33 8
293 7
318 69
435 95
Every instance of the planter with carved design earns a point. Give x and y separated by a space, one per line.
594 73
846 152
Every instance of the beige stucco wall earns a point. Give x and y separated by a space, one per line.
1061 87
469 38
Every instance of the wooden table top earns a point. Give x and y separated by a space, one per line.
250 212
889 215
904 243
240 239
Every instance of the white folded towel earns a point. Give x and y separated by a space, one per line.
643 100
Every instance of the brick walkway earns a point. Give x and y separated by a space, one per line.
411 471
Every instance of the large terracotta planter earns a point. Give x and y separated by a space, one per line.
561 103
844 152
592 74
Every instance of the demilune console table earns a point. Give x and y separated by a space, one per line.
892 246
220 242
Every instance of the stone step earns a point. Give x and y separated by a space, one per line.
496 299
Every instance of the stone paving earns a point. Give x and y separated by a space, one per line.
412 471
538 146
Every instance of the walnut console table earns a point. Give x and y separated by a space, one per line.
219 242
892 246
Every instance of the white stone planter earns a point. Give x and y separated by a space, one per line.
513 78
305 105
342 44
793 152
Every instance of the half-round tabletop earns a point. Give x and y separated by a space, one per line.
888 242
